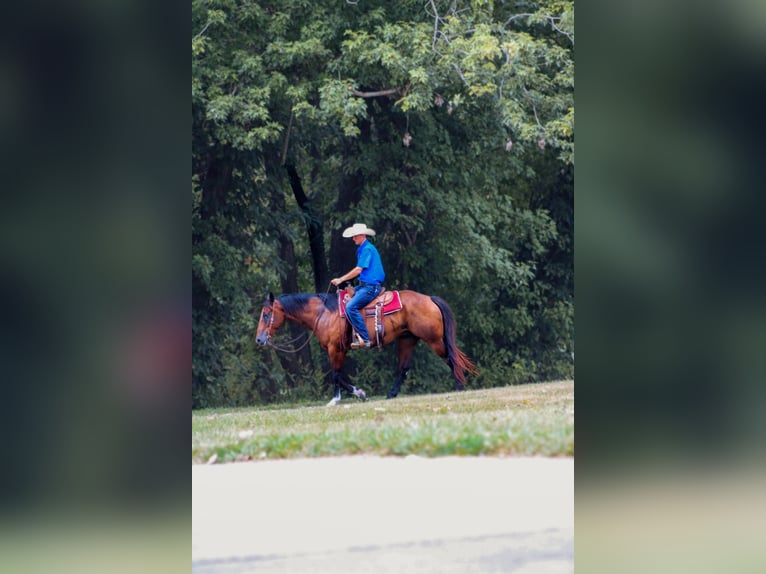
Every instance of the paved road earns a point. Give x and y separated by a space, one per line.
399 515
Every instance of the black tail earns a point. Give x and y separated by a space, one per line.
456 359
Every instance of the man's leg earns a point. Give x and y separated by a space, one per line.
361 298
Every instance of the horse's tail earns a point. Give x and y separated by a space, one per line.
456 359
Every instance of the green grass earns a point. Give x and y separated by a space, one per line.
534 419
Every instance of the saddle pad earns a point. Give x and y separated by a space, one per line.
394 305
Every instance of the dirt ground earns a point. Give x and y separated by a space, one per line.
385 514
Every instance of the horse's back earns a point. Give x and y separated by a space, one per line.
413 297
414 300
423 317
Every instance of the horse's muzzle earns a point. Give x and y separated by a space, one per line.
262 339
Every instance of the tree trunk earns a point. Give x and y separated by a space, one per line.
343 250
215 186
293 363
315 231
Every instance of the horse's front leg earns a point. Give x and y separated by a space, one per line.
337 380
336 360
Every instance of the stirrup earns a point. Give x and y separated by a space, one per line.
358 342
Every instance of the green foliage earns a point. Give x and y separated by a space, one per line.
446 126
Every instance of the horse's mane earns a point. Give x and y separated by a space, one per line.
294 303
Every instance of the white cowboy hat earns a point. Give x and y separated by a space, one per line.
358 229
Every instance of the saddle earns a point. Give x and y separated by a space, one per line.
388 300
385 303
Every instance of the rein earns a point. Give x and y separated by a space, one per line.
290 342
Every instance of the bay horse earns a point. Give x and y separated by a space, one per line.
422 317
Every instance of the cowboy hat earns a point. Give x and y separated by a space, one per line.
358 229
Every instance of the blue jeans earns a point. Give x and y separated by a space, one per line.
362 297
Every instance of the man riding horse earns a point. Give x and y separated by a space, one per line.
369 269
415 317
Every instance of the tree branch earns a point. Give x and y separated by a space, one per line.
201 31
534 109
459 73
571 39
436 25
389 92
287 136
512 18
551 19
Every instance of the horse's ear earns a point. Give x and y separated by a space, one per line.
270 298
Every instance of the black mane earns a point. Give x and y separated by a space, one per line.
296 302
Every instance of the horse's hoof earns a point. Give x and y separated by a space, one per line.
390 396
333 402
360 394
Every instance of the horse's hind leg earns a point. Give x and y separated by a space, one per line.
437 345
406 348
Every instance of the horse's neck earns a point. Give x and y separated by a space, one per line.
306 319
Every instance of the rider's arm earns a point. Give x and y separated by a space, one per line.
348 276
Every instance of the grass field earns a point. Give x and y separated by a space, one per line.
533 419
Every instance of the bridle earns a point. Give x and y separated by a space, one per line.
271 323
281 347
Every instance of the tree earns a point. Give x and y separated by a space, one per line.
448 127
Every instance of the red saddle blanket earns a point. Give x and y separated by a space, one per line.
391 303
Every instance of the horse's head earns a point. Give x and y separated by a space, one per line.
271 320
